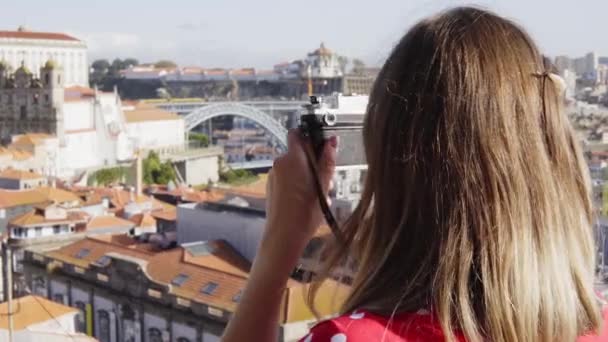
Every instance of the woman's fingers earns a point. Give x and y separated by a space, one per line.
327 163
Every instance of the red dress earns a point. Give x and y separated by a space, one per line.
363 326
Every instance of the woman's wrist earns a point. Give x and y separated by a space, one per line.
279 253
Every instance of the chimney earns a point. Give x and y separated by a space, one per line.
138 174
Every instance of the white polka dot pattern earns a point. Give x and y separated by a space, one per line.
338 338
357 315
423 312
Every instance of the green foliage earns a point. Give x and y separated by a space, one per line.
101 66
165 64
200 138
157 172
237 177
109 176
106 75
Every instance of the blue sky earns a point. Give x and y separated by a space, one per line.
261 33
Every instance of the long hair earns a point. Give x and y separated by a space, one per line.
476 203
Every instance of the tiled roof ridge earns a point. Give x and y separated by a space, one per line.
226 244
110 243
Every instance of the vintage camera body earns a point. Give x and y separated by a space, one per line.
318 123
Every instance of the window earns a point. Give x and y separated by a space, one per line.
81 317
46 98
39 286
104 261
58 79
23 113
58 297
155 335
237 296
103 319
56 229
38 231
209 288
179 279
83 253
47 79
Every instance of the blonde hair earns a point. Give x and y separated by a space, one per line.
476 202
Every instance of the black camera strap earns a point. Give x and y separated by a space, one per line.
329 216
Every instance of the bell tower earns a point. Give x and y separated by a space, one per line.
51 76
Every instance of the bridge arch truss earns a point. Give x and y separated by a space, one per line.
208 112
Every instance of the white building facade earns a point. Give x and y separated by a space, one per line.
34 49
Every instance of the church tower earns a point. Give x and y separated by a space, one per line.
51 76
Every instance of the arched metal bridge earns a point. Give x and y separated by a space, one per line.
202 114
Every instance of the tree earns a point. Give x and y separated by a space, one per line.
165 64
115 68
200 138
157 172
358 66
130 62
101 66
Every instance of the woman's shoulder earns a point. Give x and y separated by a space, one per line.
362 325
366 326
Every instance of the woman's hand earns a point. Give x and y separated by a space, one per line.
293 212
292 215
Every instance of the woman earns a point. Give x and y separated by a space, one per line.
475 220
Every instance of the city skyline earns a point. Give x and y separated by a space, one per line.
263 33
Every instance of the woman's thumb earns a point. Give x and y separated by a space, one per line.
327 163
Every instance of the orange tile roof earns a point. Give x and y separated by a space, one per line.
32 310
57 195
143 220
20 155
36 35
255 189
13 198
143 114
100 222
36 217
166 215
20 174
30 139
120 198
223 266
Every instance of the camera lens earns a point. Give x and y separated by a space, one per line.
330 119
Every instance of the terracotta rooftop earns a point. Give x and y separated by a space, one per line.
166 215
187 194
102 222
119 198
32 310
143 114
30 139
215 262
20 155
143 220
13 198
36 217
21 34
19 174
